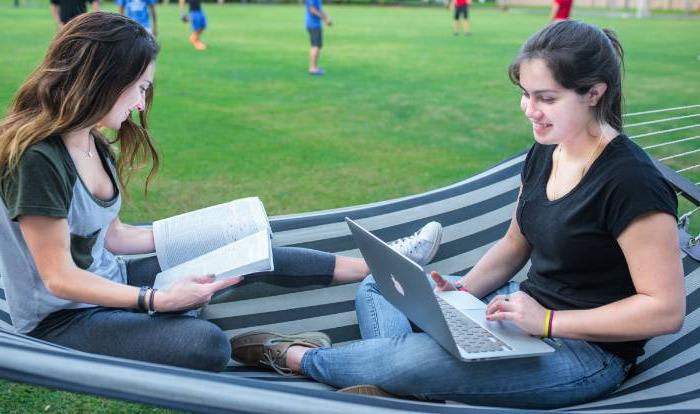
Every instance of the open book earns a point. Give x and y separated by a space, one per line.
227 240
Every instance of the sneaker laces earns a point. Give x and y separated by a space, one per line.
407 244
274 363
277 359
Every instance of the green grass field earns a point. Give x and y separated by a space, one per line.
405 107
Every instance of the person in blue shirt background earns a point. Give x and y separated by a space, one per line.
198 19
314 16
139 10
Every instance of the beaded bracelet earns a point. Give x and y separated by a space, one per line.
151 305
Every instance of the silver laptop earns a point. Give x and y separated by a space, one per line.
455 319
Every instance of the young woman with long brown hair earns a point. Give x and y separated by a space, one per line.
60 195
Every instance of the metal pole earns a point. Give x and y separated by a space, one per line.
642 9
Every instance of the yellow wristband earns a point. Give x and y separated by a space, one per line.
546 323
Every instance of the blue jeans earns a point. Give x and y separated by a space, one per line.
400 361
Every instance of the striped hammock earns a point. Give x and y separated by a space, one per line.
474 213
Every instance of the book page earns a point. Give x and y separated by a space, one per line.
186 236
251 254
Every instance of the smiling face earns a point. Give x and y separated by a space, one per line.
557 114
132 98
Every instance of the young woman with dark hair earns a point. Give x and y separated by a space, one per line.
595 219
60 195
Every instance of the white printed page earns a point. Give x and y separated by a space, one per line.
252 215
251 254
181 238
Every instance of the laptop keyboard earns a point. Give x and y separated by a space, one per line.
468 334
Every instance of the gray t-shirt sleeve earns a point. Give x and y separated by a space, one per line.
39 186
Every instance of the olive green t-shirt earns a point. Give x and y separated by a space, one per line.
46 183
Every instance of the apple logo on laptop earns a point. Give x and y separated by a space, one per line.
397 286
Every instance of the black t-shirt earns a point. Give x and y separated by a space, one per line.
68 9
195 5
576 260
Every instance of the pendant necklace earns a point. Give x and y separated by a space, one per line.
89 150
586 166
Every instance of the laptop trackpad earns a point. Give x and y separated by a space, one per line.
502 327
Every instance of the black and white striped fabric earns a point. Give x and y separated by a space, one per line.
474 213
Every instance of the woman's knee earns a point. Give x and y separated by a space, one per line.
365 295
210 348
367 287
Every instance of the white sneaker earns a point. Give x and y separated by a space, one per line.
422 246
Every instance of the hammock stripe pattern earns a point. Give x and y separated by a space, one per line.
475 213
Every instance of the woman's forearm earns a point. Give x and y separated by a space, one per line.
127 239
75 284
636 317
497 266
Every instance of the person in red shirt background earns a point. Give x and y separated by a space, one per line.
561 9
461 8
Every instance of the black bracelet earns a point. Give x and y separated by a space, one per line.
151 306
141 301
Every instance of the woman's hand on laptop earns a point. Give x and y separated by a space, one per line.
441 284
519 308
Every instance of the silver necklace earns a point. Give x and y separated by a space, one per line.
589 162
89 150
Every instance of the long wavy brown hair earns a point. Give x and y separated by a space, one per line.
89 63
